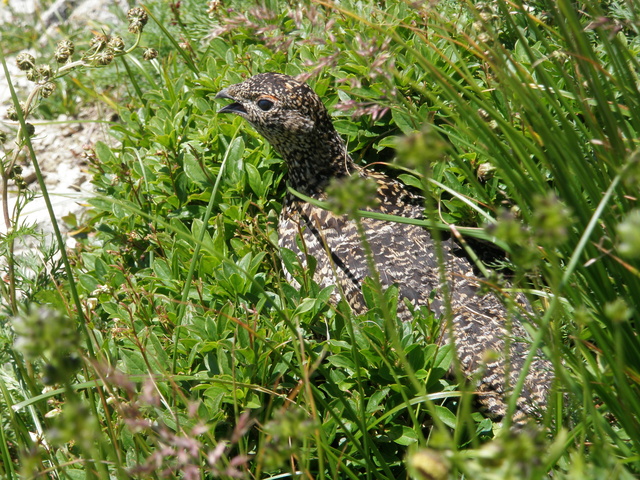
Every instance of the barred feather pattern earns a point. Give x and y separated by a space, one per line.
490 341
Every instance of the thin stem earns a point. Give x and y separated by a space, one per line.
45 194
11 243
555 300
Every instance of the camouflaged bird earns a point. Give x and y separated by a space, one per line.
292 117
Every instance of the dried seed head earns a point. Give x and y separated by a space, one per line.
33 75
64 50
30 129
47 89
45 72
137 19
25 62
150 53
12 114
484 115
116 43
485 171
105 57
98 42
60 57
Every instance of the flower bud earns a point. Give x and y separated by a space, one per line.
63 51
98 42
45 71
105 57
19 182
485 170
47 89
30 129
137 19
25 62
33 75
150 53
12 114
116 43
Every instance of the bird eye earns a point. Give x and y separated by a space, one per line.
265 104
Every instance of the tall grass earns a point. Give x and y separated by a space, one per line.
200 361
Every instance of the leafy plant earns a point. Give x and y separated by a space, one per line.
518 121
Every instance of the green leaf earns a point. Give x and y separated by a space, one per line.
411 180
104 153
234 169
88 282
404 122
132 361
446 416
390 141
342 361
290 260
305 306
163 271
403 435
444 357
253 177
377 400
347 128
194 171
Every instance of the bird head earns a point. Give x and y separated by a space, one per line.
279 107
293 119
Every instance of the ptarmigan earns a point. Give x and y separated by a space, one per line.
292 117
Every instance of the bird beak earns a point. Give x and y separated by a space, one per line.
234 107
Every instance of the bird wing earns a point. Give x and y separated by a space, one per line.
407 256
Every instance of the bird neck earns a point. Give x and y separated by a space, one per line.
312 164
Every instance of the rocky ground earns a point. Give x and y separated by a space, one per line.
58 144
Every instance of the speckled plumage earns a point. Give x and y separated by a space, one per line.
294 120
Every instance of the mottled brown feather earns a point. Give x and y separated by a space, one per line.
294 120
